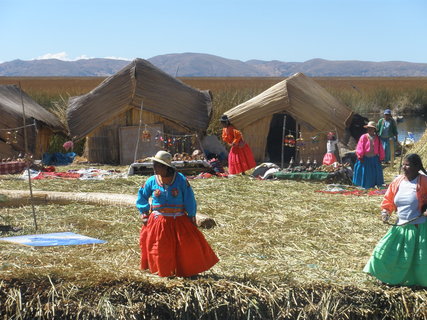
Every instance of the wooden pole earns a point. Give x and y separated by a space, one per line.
27 155
391 141
402 150
139 131
283 145
337 147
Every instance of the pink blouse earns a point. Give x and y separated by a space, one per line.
364 145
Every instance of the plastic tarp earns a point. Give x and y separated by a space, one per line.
58 159
52 239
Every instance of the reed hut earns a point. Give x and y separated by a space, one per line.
109 116
311 112
40 124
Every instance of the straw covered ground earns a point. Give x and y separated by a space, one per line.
286 252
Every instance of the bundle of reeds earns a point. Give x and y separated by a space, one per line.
50 298
286 252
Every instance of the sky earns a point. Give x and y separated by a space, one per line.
284 30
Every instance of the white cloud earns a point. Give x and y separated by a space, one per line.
118 58
60 55
64 56
82 57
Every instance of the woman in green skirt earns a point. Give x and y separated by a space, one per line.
400 258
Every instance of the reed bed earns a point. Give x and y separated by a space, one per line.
286 252
420 147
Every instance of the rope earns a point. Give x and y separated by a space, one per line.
17 128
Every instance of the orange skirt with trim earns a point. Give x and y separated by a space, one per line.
173 246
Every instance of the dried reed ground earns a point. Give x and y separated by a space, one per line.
270 234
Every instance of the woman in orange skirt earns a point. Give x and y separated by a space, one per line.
240 157
171 244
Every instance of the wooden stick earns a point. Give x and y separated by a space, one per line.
283 139
27 155
391 141
402 150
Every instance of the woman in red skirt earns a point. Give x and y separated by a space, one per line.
171 244
240 157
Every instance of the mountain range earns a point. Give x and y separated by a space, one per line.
206 65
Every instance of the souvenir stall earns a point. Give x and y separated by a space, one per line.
186 150
13 165
300 168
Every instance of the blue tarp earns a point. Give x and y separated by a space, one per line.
52 239
58 159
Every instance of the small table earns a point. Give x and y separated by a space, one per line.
186 167
316 176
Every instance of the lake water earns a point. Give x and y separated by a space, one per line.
414 124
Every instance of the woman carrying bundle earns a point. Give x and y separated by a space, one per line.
400 258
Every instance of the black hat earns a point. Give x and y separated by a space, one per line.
224 118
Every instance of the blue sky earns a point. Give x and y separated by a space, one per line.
284 30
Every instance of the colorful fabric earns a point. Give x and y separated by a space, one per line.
171 245
368 173
176 196
57 175
58 158
329 158
317 176
400 258
231 135
364 145
240 157
12 167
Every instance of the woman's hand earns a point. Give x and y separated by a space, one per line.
144 219
385 216
193 220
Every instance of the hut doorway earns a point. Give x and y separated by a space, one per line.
274 139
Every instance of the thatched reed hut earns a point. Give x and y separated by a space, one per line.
40 124
310 111
109 116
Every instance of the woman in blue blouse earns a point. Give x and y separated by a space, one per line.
171 244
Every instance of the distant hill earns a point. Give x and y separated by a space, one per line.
60 68
206 65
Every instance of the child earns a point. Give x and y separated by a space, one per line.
331 146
